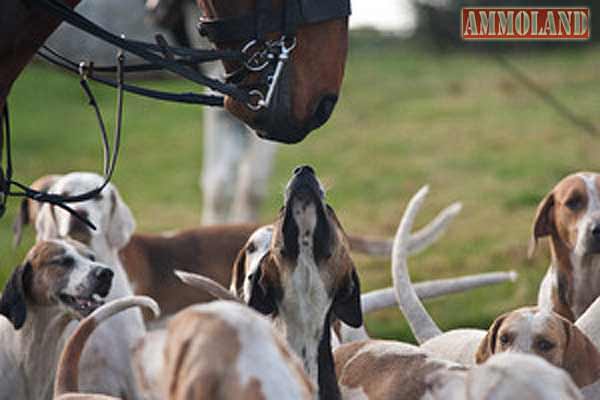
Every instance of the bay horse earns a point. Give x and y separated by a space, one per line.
302 101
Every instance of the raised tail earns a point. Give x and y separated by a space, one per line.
420 322
205 283
383 298
420 240
67 375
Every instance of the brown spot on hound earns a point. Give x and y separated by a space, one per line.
570 216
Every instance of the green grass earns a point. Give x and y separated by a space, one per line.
406 118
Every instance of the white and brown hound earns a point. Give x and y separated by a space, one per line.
106 362
527 330
570 216
223 351
58 281
66 383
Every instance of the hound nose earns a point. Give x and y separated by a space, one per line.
103 274
304 169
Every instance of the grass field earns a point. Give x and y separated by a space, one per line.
406 118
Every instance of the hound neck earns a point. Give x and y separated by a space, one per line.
38 345
304 310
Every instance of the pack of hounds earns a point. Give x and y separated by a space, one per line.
275 312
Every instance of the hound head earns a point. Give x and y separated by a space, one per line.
546 334
111 216
306 277
570 215
56 273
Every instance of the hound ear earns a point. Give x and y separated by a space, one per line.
487 347
543 224
22 219
12 302
122 224
238 273
45 223
581 358
29 208
262 293
346 303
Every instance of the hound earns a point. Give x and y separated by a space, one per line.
386 370
506 376
58 281
106 364
527 330
222 351
66 384
570 216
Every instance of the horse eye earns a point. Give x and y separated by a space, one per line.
98 197
91 257
251 247
545 345
504 339
574 203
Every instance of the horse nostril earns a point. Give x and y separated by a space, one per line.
596 231
103 274
324 109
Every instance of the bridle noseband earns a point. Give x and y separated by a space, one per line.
268 57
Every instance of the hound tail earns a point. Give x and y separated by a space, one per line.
383 298
417 242
205 283
67 376
420 322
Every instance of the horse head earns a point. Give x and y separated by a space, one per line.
306 91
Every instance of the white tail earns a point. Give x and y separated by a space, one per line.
207 284
383 298
421 324
67 375
419 241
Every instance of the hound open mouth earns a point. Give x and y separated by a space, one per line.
82 305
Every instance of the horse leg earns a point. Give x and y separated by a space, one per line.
254 173
225 140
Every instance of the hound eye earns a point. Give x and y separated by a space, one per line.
505 339
66 262
545 345
251 247
574 203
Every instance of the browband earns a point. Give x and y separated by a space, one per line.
261 21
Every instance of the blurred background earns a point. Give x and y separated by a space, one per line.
418 106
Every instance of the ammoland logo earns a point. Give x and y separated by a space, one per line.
525 23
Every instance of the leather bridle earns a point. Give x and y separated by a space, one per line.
256 55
